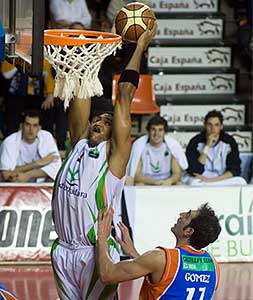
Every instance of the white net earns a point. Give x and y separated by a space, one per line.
77 69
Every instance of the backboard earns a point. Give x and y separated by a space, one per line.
23 22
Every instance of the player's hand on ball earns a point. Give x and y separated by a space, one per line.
105 223
147 36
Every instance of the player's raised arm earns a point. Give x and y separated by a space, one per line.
151 262
128 83
78 119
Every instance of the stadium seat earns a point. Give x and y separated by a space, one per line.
144 99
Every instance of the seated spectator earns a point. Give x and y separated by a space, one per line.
31 154
65 12
156 158
213 155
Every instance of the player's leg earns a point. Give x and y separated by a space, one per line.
90 285
62 264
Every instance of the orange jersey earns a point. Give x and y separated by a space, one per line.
154 291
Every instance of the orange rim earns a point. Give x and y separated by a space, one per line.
70 37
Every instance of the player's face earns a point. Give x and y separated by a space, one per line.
213 126
100 128
156 135
182 222
30 129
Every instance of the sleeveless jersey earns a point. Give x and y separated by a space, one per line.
83 186
189 275
156 162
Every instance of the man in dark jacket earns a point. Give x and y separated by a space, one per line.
213 155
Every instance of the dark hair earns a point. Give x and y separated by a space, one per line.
99 106
99 113
214 114
206 227
32 113
157 120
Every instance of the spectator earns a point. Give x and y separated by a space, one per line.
213 155
31 154
156 158
23 92
65 12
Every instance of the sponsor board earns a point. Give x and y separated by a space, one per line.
194 84
193 115
157 210
189 57
27 232
180 29
243 138
26 227
184 6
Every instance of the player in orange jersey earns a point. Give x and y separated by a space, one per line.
184 272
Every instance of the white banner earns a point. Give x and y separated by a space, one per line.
193 115
188 57
194 84
243 138
184 6
157 210
26 226
180 29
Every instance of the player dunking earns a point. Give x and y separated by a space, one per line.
91 179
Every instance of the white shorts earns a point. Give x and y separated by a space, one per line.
76 275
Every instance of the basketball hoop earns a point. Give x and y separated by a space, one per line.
76 56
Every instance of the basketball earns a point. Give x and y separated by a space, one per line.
132 20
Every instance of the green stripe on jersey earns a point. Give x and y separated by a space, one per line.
99 192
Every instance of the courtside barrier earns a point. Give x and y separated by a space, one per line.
27 230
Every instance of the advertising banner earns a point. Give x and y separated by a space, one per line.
26 226
190 29
193 115
184 6
189 57
157 210
194 84
27 231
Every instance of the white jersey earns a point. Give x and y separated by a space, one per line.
156 162
84 185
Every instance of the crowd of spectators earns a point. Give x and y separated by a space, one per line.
29 153
212 157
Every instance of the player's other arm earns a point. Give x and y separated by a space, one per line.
78 119
122 121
